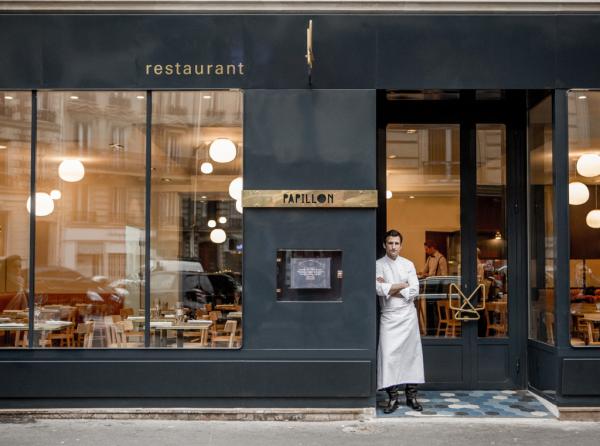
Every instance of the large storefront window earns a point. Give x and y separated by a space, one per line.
15 176
196 219
541 224
89 251
584 213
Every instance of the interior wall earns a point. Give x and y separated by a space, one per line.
414 216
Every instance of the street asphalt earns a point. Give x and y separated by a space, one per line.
394 432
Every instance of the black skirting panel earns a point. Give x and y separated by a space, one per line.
542 368
187 379
492 365
580 377
443 364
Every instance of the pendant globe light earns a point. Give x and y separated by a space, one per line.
206 168
593 217
588 165
578 193
222 150
238 206
218 235
71 170
44 205
235 188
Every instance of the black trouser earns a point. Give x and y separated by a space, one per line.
410 390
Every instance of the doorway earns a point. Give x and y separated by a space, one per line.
452 169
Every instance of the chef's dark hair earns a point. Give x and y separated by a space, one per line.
392 233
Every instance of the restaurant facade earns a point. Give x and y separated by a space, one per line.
211 191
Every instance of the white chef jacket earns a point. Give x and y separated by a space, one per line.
400 355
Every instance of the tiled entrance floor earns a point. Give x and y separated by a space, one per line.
470 403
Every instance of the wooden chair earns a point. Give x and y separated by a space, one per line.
496 318
21 338
109 332
126 312
228 337
121 332
85 334
446 321
66 336
549 321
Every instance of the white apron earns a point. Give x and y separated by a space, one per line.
400 355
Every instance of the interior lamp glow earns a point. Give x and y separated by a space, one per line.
235 188
578 193
206 167
211 223
238 206
55 194
593 218
218 236
44 205
222 150
588 165
222 220
388 194
71 170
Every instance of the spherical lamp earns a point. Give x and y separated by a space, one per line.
55 194
235 188
222 150
71 170
211 223
388 194
593 218
588 165
218 236
206 167
44 205
222 220
578 193
239 207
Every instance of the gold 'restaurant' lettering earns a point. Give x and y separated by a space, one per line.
309 198
180 69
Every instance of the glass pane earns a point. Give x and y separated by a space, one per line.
15 177
423 182
196 228
584 213
541 224
491 228
90 219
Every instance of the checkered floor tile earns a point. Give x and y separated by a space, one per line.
470 403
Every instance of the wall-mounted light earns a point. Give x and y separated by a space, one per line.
218 236
222 150
71 170
588 165
44 205
497 236
235 188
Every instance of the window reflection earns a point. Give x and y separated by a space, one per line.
541 224
90 245
423 182
15 156
584 213
196 228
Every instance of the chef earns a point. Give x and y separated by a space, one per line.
400 356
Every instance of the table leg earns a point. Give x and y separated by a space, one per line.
179 338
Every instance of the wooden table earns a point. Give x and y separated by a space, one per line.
41 329
201 325
590 319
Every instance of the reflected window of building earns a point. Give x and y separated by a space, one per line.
90 220
541 224
15 177
423 179
196 220
584 216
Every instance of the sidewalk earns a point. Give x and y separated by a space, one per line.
374 432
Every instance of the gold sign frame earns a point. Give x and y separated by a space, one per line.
309 198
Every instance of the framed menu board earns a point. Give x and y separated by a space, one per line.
309 275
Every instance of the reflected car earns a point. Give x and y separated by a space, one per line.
194 289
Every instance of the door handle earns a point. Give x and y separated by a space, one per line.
466 311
